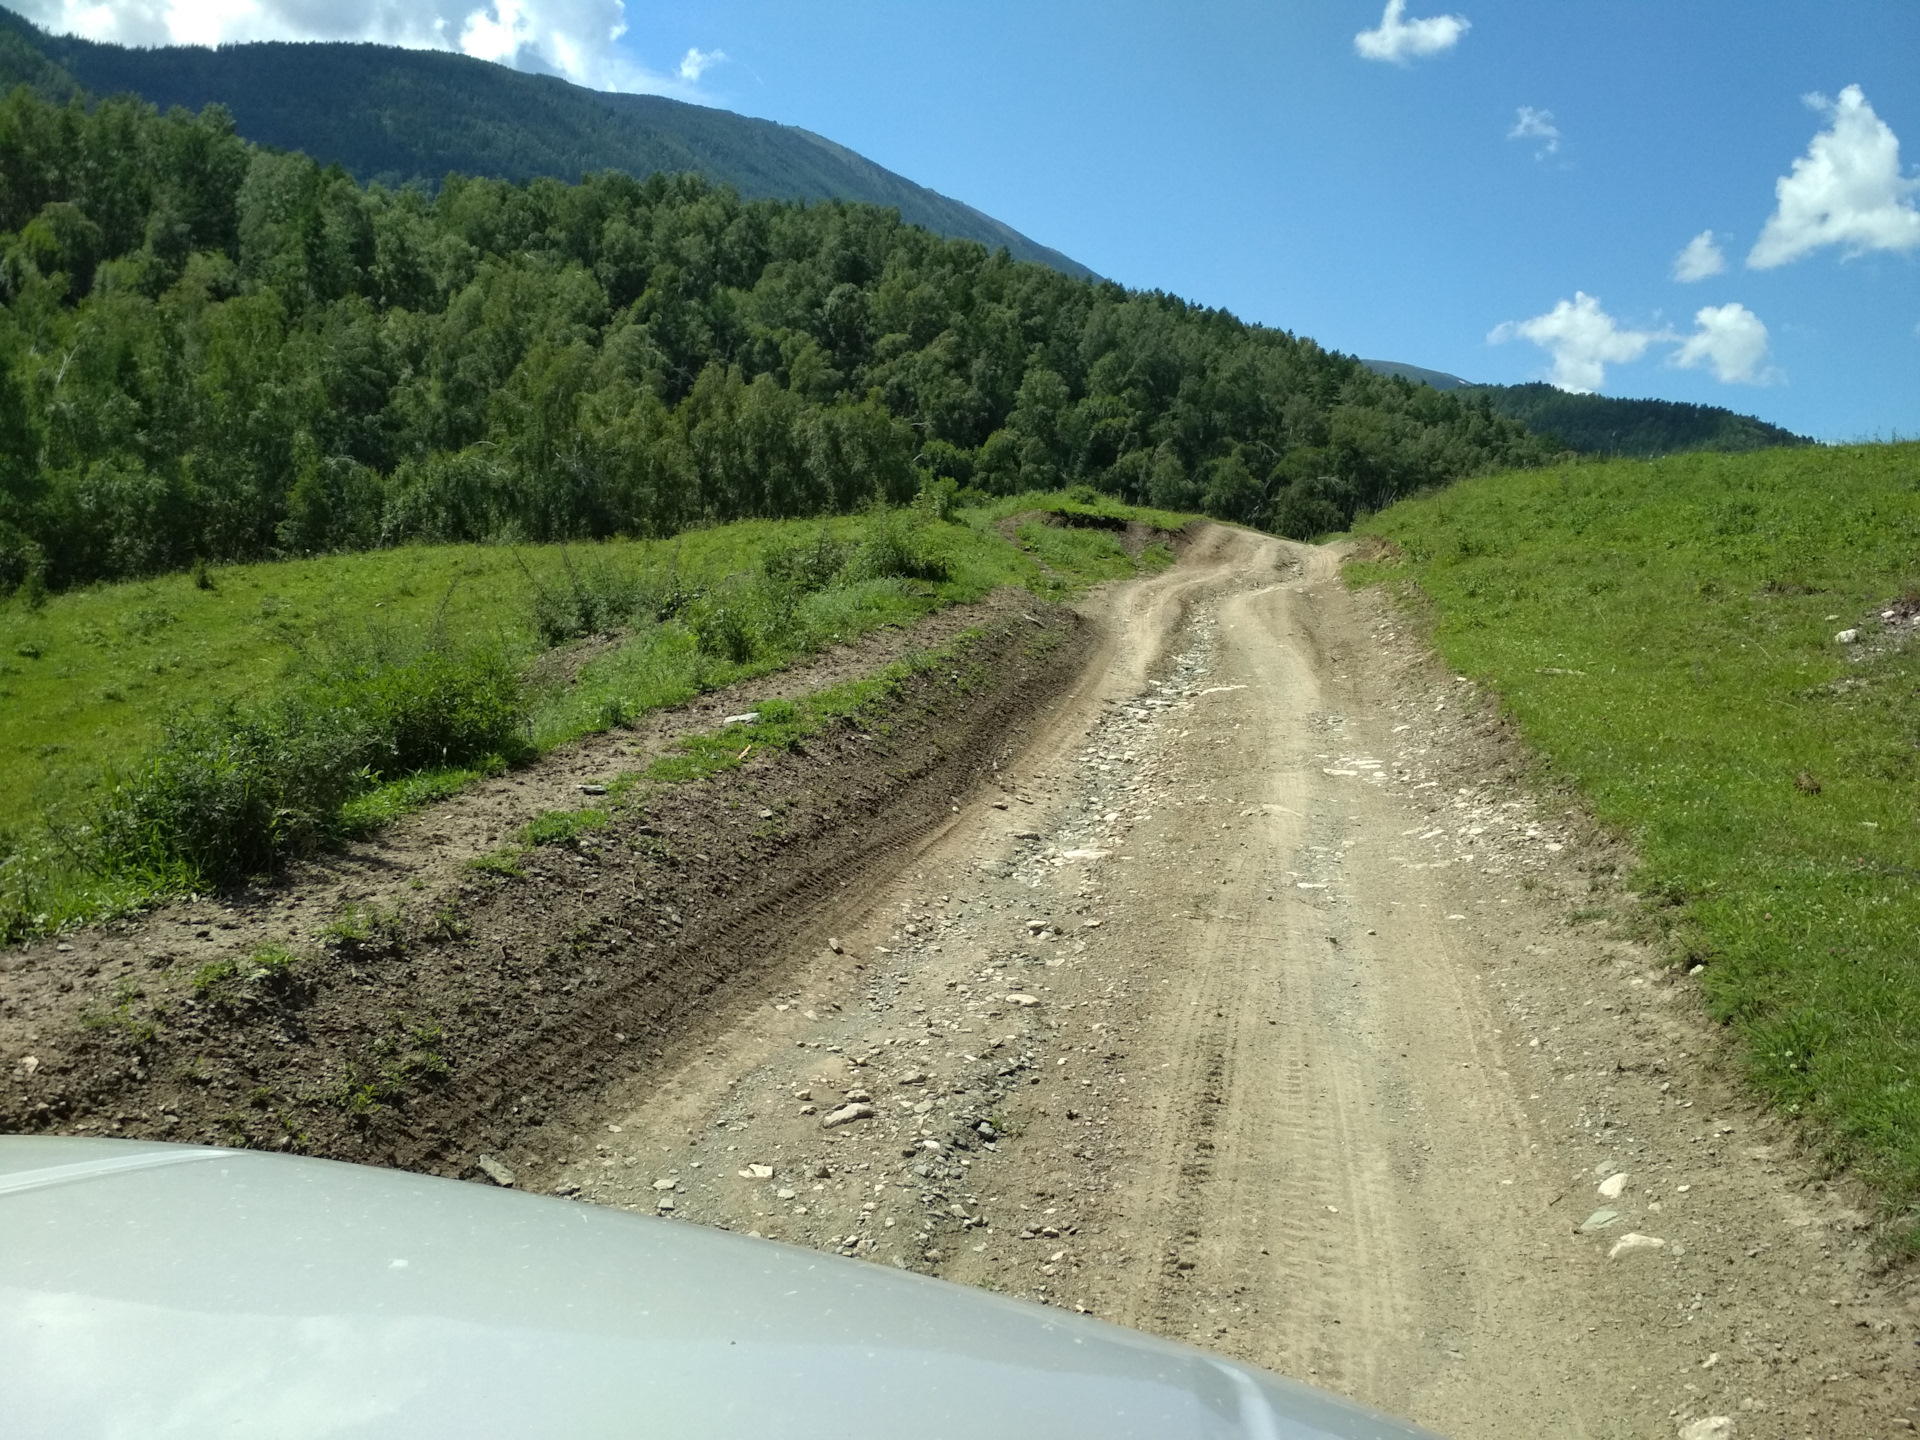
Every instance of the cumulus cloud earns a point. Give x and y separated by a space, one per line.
572 38
1532 124
1399 39
1847 190
696 62
1732 342
1583 340
1701 259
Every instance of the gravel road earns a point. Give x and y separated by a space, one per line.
1265 1004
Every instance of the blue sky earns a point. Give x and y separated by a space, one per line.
1508 205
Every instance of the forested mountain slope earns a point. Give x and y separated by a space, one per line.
1641 429
214 351
1607 425
388 114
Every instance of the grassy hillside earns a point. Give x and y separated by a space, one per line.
98 685
1665 634
396 115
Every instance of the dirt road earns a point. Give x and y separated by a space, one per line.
1264 1006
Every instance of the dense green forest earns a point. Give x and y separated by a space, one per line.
1640 429
1607 426
211 351
394 115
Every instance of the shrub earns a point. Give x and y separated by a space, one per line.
897 548
810 567
591 599
234 792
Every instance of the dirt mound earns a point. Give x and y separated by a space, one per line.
424 1033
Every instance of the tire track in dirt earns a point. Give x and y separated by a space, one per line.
1288 1037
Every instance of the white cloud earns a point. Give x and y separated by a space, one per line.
573 38
1732 342
1399 40
1583 340
1532 124
1701 259
696 62
1846 190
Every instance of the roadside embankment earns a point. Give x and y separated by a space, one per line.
452 1005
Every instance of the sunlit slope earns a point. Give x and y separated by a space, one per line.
1665 633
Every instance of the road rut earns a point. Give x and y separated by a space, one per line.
1264 1004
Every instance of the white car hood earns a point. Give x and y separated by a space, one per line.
168 1290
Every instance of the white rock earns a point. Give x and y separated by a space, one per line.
666 1184
783 1193
846 1115
1019 998
1846 637
1611 1187
757 1172
746 719
1633 1243
495 1171
1713 1427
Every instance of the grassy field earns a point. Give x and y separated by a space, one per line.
1665 633
90 680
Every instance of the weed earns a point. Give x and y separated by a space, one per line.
237 984
447 924
504 862
561 827
364 927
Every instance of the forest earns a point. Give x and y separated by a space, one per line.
1643 429
212 351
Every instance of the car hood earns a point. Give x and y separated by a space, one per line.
159 1290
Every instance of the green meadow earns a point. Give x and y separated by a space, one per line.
96 685
1665 635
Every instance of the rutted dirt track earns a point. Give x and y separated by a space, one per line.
1212 969
1316 1053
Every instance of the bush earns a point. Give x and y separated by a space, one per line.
727 626
235 793
808 568
897 548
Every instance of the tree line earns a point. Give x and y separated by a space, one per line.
212 351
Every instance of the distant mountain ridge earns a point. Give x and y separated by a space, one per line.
1418 374
394 115
1606 425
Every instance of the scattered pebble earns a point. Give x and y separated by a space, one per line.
1633 1243
1611 1187
496 1172
846 1115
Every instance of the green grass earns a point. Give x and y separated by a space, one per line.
93 682
1664 634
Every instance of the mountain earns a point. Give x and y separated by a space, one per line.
394 115
1419 375
1604 425
1643 429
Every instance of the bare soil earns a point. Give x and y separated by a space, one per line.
1260 997
434 1011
